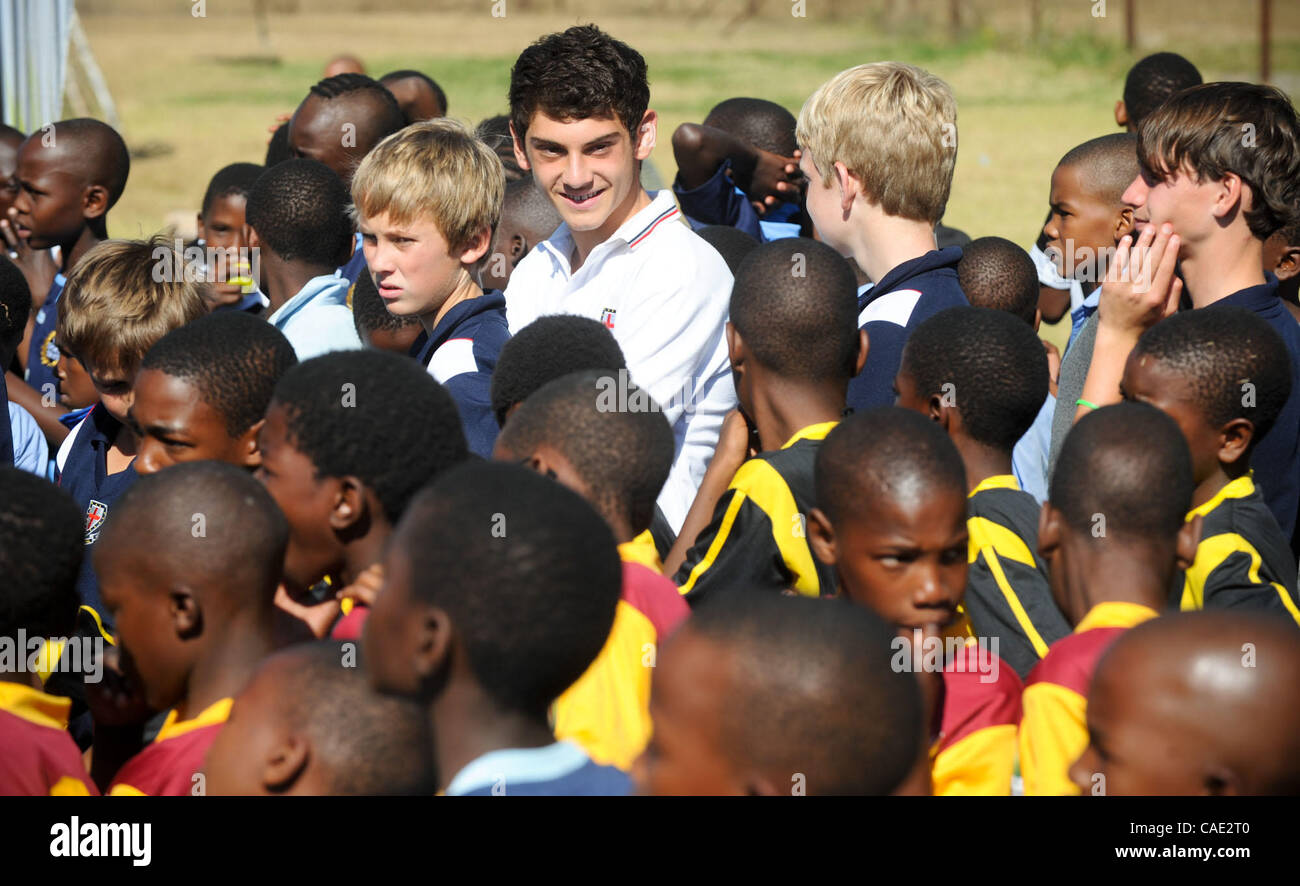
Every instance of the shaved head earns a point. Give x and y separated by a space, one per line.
1197 703
1107 164
90 149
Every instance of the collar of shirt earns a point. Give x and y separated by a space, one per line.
641 550
1260 299
103 427
812 432
1238 488
1114 614
520 766
934 260
33 705
217 712
997 481
629 235
492 300
327 289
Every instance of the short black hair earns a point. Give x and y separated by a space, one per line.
374 415
11 134
1217 351
991 363
409 74
880 452
995 273
299 209
549 348
234 360
371 129
99 154
277 149
237 178
495 133
530 606
366 743
1128 463
1289 234
41 545
529 208
576 74
1154 79
622 455
1108 163
813 691
370 314
764 124
15 307
732 244
239 553
794 302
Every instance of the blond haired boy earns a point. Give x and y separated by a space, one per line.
427 200
879 144
121 297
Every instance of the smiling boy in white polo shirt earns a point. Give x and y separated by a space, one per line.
623 256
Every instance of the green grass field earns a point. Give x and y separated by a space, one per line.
195 94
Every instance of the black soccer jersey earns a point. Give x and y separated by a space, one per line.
758 535
1007 594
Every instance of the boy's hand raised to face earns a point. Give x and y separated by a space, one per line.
365 587
1141 287
320 617
775 178
38 265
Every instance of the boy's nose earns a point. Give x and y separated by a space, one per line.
1136 193
147 461
575 172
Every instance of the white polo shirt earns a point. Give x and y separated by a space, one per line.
664 293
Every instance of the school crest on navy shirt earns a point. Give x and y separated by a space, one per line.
95 514
607 317
50 351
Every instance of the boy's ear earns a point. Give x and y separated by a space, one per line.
434 644
285 764
735 346
94 201
1123 223
643 140
849 186
1288 263
1230 195
251 238
248 447
186 614
477 247
199 227
1049 530
349 503
1234 439
864 346
944 413
516 249
1121 114
517 144
1038 319
821 537
540 462
1189 536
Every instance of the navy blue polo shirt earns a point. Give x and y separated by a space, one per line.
462 355
719 202
6 431
42 354
352 268
1276 458
85 476
906 297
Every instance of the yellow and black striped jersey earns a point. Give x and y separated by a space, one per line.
757 537
1243 560
1007 594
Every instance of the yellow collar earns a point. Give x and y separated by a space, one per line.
1239 488
34 706
1114 614
214 713
641 550
812 432
997 481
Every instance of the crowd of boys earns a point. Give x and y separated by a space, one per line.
458 462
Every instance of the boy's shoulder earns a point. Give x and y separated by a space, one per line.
1071 660
559 769
1008 508
167 766
980 690
37 755
654 596
914 290
785 471
1239 509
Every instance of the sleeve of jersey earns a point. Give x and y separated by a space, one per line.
874 385
470 390
166 768
716 203
1053 733
1011 601
737 547
976 753
1228 574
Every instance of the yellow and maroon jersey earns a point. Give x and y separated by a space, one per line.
975 752
607 711
1053 727
167 766
37 755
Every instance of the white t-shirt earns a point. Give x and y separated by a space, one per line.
664 293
